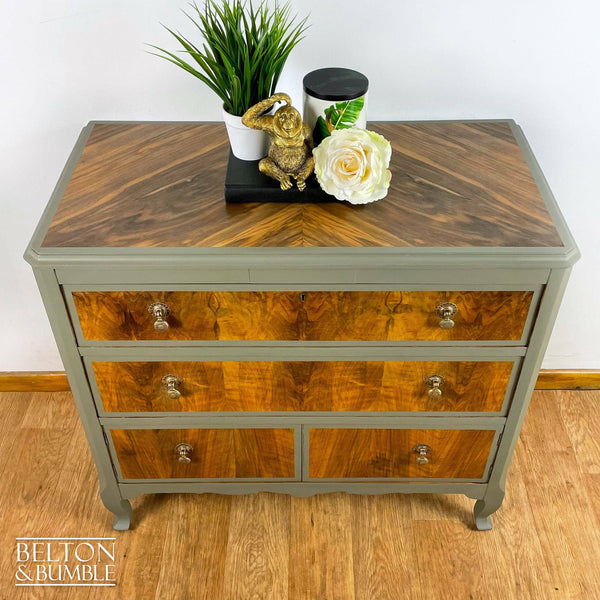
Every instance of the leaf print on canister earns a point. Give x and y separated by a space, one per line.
341 115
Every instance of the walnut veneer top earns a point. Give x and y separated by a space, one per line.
161 185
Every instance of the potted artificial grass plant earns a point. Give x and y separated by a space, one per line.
241 58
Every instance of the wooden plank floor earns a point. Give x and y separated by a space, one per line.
545 542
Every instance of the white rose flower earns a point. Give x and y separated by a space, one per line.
352 164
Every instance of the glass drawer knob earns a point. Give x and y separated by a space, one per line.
445 311
172 382
183 452
160 311
422 450
435 382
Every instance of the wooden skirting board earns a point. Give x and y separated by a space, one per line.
585 379
34 381
56 381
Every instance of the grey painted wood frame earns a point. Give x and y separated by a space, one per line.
298 276
549 306
115 492
67 347
304 488
58 271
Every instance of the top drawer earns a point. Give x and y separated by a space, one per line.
302 316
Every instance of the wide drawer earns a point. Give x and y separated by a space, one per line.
242 386
306 316
212 453
341 453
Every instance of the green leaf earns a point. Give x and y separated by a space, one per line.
344 115
242 50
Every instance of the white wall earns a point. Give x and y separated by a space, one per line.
65 62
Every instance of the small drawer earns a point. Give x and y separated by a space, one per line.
205 453
303 316
399 453
241 386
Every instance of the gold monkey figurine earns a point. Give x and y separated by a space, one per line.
290 152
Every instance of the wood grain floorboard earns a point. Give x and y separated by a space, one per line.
592 483
383 551
195 542
50 411
562 510
14 407
140 551
257 554
582 423
510 555
441 507
321 548
449 564
545 542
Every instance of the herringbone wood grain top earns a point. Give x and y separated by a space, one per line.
162 185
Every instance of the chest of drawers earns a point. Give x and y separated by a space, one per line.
301 348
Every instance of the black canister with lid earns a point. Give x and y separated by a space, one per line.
334 98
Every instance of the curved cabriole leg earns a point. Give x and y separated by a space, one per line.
488 505
119 507
122 519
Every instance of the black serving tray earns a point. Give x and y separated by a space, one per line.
245 183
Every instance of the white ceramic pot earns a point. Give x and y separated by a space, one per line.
246 143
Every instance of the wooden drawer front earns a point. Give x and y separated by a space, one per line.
383 453
316 316
217 453
302 386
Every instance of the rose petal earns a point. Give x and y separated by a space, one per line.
352 164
